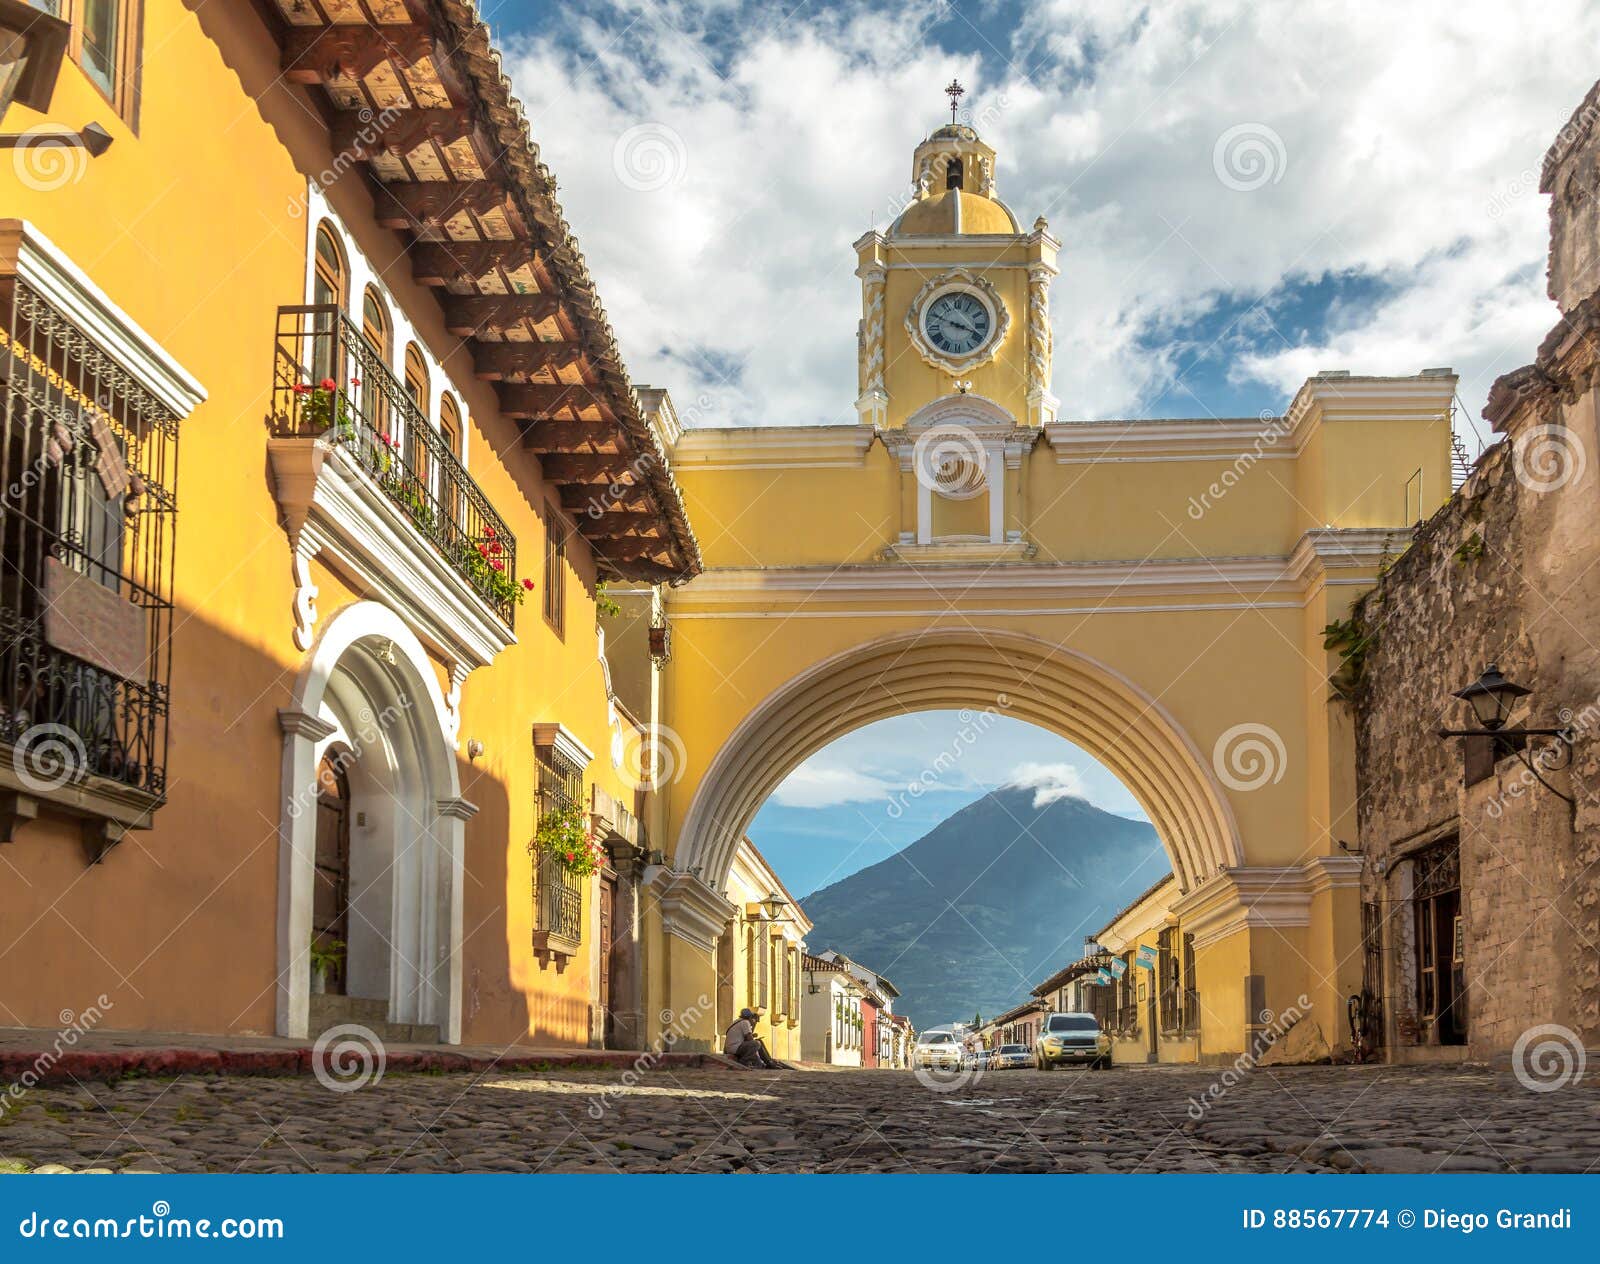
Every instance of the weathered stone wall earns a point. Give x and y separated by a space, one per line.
1508 572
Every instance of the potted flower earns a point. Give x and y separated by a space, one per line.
325 958
564 836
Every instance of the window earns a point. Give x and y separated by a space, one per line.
450 424
105 43
952 174
376 348
417 461
558 894
88 456
555 571
1436 908
328 290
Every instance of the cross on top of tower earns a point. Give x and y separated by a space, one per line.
955 92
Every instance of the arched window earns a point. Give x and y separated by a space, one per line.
417 378
329 289
375 334
952 174
449 490
450 424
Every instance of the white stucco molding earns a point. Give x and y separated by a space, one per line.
564 742
1239 899
691 909
327 504
46 269
760 447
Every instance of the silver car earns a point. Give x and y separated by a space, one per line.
1011 1058
1071 1040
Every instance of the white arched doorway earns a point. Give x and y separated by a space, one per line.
368 695
1067 693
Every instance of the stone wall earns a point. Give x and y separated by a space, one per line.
1508 572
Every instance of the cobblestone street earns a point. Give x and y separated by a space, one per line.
1131 1120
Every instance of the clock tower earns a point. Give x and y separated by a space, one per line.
955 296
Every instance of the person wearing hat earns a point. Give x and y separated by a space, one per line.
745 1047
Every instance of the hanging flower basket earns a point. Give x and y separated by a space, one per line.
564 836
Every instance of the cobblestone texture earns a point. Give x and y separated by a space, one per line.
1130 1120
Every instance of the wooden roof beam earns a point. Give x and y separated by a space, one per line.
602 469
399 131
632 550
451 262
316 54
618 525
569 436
501 360
468 314
585 502
429 204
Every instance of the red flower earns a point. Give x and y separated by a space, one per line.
483 549
494 547
569 855
499 566
355 381
328 384
489 531
528 584
300 388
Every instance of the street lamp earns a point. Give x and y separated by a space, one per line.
1492 697
773 905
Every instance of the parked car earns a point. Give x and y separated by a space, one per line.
1011 1058
1071 1040
938 1049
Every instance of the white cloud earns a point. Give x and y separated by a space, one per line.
1403 159
813 785
1049 782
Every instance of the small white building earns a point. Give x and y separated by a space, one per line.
831 1027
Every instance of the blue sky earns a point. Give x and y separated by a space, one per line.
850 805
717 158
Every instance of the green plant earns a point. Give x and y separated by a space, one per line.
487 573
327 955
1354 642
604 603
564 836
1469 550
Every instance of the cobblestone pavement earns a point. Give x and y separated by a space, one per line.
1127 1120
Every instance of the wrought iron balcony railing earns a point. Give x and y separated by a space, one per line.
559 906
88 465
330 383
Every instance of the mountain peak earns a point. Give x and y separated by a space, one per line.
992 899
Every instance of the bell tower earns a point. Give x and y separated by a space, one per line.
955 296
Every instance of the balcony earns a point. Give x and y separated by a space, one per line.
557 912
361 474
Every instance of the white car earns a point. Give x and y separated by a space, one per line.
938 1049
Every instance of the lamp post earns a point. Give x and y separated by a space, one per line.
1492 697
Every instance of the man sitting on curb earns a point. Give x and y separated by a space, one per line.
747 1048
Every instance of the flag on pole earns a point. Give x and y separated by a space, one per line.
1147 957
1102 975
1119 967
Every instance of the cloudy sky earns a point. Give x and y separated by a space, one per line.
1246 193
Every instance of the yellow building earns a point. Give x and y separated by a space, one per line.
285 718
1154 591
760 955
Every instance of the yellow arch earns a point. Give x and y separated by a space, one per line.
1013 674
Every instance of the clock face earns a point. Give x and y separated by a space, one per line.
956 323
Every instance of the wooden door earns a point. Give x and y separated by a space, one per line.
608 903
330 908
1441 983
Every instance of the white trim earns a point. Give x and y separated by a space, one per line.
55 278
794 447
691 909
426 988
564 742
330 504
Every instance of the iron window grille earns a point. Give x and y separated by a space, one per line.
371 415
87 519
557 892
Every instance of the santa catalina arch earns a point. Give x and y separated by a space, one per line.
966 545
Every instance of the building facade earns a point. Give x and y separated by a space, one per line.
302 729
1480 856
833 1025
762 951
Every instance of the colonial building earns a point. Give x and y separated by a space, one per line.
313 726
1480 855
832 1025
761 955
